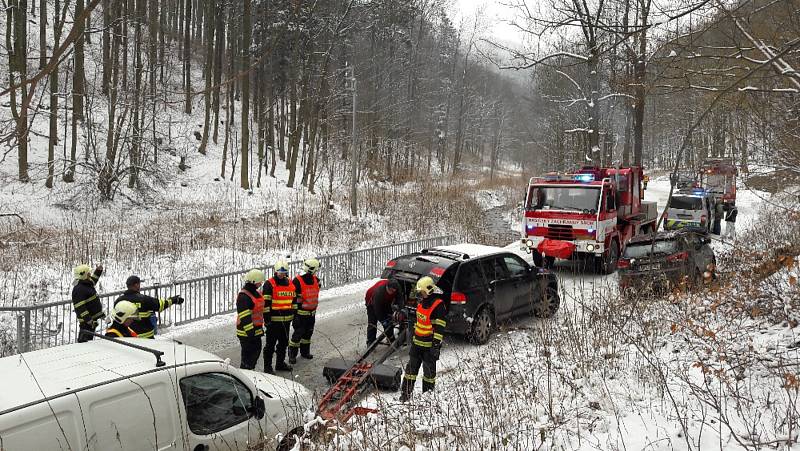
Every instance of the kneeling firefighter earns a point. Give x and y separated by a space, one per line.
427 340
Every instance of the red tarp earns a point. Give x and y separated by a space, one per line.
556 248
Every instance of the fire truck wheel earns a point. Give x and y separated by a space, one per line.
607 264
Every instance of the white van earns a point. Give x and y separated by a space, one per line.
103 395
689 209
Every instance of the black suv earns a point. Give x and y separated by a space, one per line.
481 284
679 257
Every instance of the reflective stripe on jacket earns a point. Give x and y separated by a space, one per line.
250 318
309 294
282 301
429 325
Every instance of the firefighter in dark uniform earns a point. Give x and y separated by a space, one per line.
148 306
280 300
124 314
427 340
250 318
85 302
380 299
307 288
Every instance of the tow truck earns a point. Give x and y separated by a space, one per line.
718 177
589 214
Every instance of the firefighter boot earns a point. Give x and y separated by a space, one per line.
406 390
282 366
268 363
427 385
305 351
292 354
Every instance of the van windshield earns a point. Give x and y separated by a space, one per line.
686 203
640 250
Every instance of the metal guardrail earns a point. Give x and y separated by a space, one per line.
45 325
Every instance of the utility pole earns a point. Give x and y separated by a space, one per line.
353 154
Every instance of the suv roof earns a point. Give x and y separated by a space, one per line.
436 261
55 371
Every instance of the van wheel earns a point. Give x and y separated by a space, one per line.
549 304
607 264
482 326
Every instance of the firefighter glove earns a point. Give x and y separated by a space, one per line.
435 351
177 299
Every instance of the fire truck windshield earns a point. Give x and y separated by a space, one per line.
570 198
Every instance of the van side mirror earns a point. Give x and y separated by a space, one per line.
259 409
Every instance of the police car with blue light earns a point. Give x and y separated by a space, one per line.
690 208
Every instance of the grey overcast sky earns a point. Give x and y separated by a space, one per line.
495 15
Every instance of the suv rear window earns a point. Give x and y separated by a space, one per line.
686 203
640 250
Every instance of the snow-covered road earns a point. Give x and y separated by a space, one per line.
341 324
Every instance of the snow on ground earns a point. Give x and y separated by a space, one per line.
680 373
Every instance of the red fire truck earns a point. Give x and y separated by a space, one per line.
592 213
718 177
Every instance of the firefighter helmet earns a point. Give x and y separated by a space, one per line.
311 266
124 310
254 276
82 272
281 267
426 286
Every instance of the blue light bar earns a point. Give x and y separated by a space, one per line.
585 178
698 191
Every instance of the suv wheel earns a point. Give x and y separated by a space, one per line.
607 264
549 304
482 326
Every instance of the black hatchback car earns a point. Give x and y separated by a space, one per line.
665 260
482 285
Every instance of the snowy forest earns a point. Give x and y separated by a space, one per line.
106 88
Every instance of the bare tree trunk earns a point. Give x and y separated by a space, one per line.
209 66
17 14
245 138
219 46
187 56
43 32
136 139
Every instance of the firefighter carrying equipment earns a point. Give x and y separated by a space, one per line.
254 276
250 312
125 310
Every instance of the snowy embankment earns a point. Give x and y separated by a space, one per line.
715 369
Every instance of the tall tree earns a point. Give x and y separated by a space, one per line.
245 49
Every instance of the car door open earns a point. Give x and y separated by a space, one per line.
500 284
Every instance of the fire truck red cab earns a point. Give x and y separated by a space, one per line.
718 177
592 213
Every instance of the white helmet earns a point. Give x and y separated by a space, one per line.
281 267
254 276
82 272
311 265
124 310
